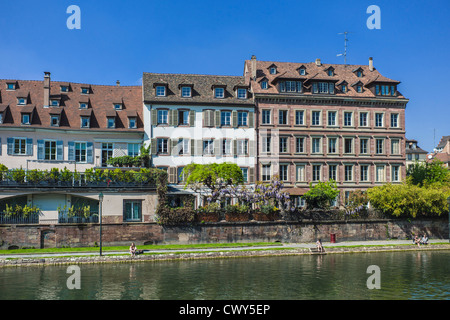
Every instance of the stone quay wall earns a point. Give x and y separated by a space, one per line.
82 235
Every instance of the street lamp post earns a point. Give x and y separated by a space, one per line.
100 200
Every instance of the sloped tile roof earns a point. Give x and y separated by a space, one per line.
202 88
101 101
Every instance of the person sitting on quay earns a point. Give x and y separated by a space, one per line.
133 249
424 240
417 240
320 246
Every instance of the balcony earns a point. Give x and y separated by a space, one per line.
91 178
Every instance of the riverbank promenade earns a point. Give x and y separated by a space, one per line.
91 255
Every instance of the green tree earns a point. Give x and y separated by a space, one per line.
215 177
427 173
321 195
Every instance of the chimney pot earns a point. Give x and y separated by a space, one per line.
318 63
118 83
371 64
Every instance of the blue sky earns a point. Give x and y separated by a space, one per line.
119 40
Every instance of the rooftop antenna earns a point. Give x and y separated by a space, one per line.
345 46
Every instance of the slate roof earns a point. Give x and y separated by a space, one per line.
341 73
202 89
100 101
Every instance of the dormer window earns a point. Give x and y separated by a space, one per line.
242 93
111 122
344 88
85 90
186 92
117 106
21 101
160 91
83 105
264 85
10 86
302 71
330 72
132 123
273 70
385 90
290 86
323 87
54 103
64 89
54 120
26 118
1 117
219 93
85 121
359 88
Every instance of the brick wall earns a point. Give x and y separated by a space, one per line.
148 233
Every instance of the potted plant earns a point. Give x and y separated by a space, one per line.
237 212
208 213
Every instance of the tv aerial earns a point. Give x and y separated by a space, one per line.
345 46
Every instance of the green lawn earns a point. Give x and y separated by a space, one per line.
147 247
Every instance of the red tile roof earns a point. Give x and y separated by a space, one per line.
100 101
341 73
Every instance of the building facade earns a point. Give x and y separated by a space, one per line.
199 119
74 126
414 153
320 122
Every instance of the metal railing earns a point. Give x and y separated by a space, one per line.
18 219
64 217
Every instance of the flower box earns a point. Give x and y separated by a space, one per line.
236 217
207 217
260 216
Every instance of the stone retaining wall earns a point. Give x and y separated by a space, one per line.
60 235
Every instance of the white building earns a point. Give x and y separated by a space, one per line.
199 119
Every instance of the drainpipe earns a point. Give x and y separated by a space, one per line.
448 201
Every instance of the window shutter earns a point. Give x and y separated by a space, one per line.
29 147
192 118
217 116
10 146
89 152
40 150
235 151
206 117
199 149
331 87
71 154
234 119
172 174
217 146
154 116
251 175
170 118
174 147
153 146
251 121
191 141
315 88
251 148
59 150
175 118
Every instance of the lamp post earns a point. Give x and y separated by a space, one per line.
100 200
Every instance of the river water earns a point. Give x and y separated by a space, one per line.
403 275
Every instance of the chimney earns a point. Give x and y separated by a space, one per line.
46 89
118 83
371 64
253 66
318 63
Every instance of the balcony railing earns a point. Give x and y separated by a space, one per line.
64 217
19 178
18 219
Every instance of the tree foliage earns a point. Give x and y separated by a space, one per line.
214 176
409 200
321 195
422 174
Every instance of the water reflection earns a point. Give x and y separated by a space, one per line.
404 275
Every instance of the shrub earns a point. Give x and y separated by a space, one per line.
321 195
